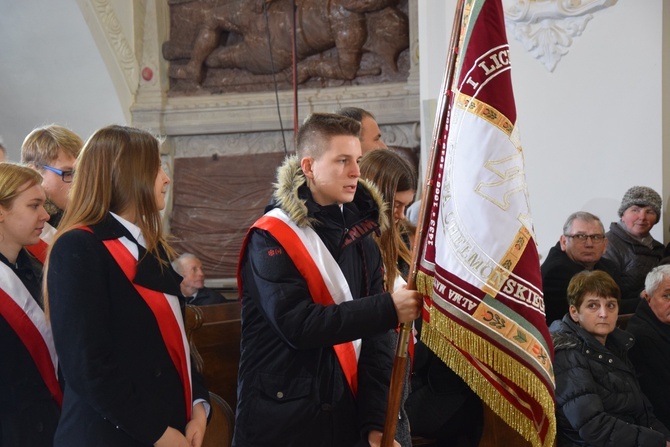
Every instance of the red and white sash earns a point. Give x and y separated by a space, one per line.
39 250
27 320
166 310
325 280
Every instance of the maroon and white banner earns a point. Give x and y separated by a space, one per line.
479 268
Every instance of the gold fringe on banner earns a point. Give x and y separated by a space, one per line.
424 284
434 334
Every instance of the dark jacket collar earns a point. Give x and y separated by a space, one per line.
567 334
559 258
29 271
337 227
23 261
645 314
618 229
292 195
151 272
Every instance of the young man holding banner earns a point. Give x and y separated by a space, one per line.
315 364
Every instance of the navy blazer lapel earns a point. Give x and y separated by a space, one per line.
151 273
154 275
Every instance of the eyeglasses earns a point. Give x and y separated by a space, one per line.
595 238
66 176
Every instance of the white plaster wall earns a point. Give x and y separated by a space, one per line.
51 72
593 127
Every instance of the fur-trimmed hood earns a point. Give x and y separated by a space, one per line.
289 196
563 340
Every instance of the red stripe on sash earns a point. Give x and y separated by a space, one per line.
39 250
303 261
34 343
161 309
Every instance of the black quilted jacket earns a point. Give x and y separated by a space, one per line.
598 398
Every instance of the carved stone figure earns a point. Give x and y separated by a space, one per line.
331 39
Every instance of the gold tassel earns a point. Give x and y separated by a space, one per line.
434 334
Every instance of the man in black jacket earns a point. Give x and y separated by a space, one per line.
651 327
580 247
193 285
315 361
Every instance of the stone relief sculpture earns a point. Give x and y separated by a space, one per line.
224 47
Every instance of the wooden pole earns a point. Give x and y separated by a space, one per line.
400 360
294 68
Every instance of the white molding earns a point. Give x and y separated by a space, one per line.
257 112
123 50
548 28
115 49
244 143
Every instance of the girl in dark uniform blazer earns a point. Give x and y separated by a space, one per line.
114 304
30 394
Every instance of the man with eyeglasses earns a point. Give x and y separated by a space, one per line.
631 246
52 151
651 327
580 247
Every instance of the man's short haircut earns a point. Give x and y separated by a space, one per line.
319 128
594 282
655 278
176 264
355 113
583 216
42 144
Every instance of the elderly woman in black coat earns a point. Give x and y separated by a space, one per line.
598 398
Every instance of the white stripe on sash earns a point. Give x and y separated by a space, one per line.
48 233
13 286
330 271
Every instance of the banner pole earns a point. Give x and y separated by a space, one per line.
400 359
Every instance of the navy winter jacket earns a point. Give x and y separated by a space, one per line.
291 388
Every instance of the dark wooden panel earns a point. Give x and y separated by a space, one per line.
214 335
216 199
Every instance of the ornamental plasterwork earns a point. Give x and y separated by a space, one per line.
122 49
103 21
547 28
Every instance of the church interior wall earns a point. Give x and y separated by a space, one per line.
591 128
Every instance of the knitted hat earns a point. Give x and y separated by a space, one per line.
641 196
